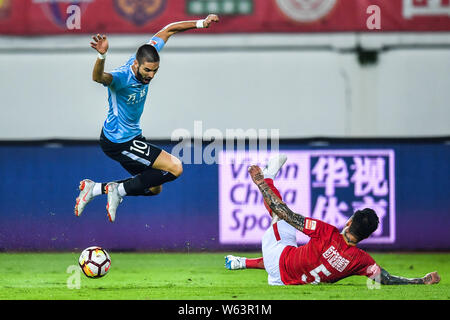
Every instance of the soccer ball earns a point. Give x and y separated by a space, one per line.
95 262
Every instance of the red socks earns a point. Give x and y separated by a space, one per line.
256 263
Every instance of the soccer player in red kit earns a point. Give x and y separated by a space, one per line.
329 256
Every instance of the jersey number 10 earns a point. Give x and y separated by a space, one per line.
140 147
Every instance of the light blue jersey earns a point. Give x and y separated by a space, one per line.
126 97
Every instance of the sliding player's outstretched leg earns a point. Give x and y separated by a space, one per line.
270 171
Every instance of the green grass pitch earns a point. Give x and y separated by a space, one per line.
201 276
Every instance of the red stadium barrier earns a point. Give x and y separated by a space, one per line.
41 17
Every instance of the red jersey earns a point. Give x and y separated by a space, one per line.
325 258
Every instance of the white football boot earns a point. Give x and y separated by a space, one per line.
270 171
274 165
85 196
234 263
114 199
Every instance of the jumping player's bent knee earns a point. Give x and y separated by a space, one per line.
156 190
176 168
167 162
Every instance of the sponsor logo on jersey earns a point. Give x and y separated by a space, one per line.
306 10
335 259
310 224
56 10
139 12
137 97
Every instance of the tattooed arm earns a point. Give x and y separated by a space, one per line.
388 279
278 207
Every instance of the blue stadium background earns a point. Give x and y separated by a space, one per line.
40 183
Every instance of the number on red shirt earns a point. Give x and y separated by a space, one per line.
315 273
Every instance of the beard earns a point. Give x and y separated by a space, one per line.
142 79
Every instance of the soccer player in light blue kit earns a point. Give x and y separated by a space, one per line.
121 137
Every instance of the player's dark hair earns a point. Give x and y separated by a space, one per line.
147 53
364 223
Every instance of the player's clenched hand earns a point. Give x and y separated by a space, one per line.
256 174
431 278
100 43
209 19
